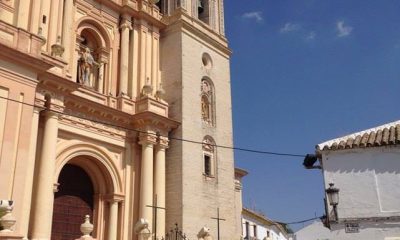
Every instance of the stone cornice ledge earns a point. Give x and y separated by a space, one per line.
24 58
149 119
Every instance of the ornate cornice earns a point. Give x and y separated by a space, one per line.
156 122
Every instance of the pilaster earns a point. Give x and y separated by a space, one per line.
26 204
125 27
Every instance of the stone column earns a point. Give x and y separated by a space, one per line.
44 191
156 59
221 18
53 23
101 77
35 15
134 41
146 177
67 31
113 220
143 30
125 26
159 184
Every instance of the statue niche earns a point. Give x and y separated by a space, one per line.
207 95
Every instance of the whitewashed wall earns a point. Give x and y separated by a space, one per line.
369 183
275 233
314 231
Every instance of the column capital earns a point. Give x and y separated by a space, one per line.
147 139
163 142
114 198
125 23
50 113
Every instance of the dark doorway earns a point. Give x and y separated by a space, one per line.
72 202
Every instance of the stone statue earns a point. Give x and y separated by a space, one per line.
200 6
204 234
86 63
205 111
142 229
141 225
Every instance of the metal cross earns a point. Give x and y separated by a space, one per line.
155 208
218 220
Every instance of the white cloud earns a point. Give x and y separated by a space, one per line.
311 35
343 30
289 27
253 15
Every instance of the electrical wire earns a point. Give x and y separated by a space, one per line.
301 221
171 138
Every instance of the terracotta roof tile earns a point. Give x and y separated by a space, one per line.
388 134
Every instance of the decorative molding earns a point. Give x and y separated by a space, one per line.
208 144
125 24
163 142
114 198
368 219
147 139
82 119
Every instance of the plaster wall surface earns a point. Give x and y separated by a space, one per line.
368 181
314 231
262 231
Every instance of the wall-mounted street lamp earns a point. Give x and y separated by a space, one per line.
333 197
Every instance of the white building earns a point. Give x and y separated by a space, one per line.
314 231
364 169
257 226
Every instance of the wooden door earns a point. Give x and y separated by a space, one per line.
72 202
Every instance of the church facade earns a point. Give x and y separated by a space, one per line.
115 109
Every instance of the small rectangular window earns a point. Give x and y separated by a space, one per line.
247 230
44 19
255 231
207 165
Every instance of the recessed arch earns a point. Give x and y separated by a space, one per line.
95 161
87 23
207 98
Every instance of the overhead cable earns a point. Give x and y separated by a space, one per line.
171 138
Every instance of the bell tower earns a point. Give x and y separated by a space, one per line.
195 74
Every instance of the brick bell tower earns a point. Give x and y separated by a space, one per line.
195 74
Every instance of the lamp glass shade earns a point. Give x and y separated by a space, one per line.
333 195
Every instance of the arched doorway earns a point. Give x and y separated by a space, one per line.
72 202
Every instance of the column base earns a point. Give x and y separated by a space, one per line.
86 238
10 236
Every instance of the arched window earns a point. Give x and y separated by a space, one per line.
207 102
203 10
163 6
209 157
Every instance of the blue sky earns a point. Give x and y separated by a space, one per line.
302 72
